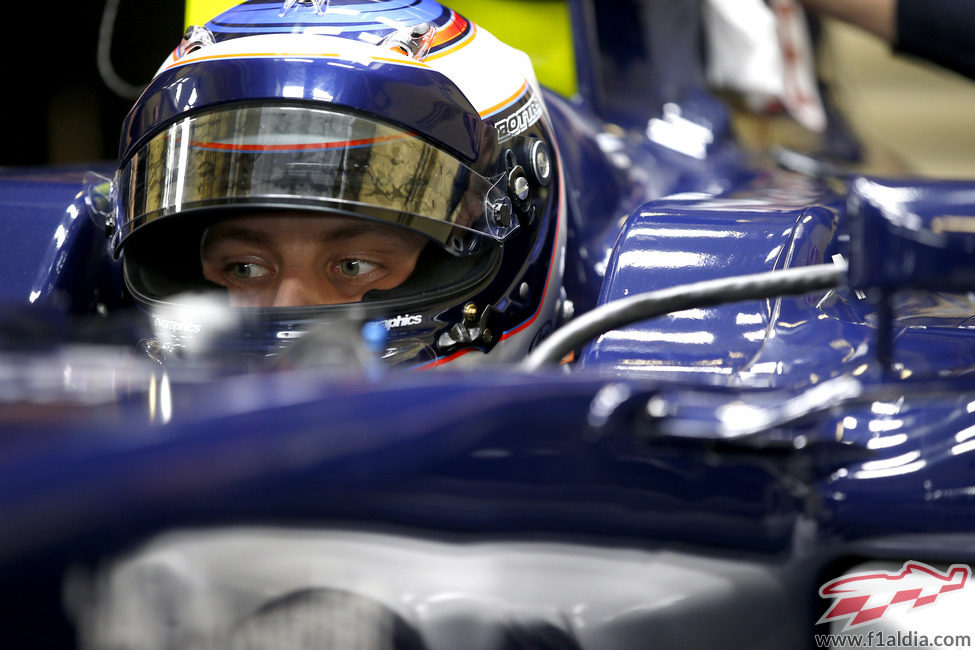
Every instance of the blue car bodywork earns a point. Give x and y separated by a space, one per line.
687 481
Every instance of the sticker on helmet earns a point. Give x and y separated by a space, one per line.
176 326
403 320
528 111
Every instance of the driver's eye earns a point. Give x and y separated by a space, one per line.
353 267
247 270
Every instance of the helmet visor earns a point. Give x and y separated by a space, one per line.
303 157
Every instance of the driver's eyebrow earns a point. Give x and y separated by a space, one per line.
350 231
353 230
233 233
222 233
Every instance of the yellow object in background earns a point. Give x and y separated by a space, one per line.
540 28
198 12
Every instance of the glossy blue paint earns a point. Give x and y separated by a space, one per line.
53 254
351 19
676 205
912 234
434 451
612 174
918 476
418 451
633 57
764 431
438 107
780 221
411 96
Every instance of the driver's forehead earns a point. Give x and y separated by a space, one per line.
274 228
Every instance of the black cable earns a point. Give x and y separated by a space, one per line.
106 69
644 306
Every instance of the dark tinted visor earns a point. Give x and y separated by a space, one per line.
298 156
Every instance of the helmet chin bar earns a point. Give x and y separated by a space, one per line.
481 325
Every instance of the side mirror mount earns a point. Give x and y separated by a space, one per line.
909 234
100 200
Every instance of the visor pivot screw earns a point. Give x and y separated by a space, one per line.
487 336
518 187
501 212
470 313
521 188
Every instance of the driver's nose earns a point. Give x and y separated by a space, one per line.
300 290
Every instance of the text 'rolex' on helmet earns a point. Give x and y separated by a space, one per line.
315 163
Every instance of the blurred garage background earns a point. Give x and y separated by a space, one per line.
924 115
56 107
60 110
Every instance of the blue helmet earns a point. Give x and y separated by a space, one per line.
405 118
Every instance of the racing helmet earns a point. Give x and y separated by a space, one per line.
407 118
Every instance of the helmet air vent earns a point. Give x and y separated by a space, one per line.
320 6
414 41
195 38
